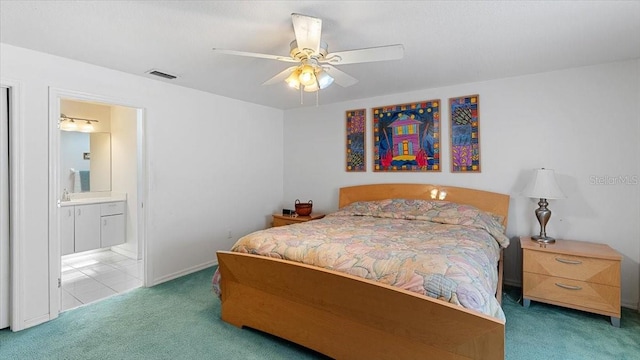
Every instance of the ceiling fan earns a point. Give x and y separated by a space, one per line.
314 69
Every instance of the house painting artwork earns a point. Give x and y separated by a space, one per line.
407 137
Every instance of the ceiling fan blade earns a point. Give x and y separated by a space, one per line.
340 77
381 53
308 31
255 55
281 76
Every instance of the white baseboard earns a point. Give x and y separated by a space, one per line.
127 253
184 272
33 322
630 305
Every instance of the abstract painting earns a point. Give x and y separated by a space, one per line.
465 135
407 137
356 127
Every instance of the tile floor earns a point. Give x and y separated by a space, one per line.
97 275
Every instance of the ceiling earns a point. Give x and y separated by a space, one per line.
445 42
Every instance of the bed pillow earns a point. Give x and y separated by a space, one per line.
408 207
446 212
438 211
498 218
362 208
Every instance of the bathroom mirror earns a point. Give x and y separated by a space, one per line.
85 161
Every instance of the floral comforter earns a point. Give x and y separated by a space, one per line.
436 248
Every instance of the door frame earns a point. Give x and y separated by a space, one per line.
55 95
16 207
4 211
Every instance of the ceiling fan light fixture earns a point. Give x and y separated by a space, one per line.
307 75
293 79
324 79
311 88
315 66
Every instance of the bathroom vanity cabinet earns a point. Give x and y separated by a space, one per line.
112 224
92 226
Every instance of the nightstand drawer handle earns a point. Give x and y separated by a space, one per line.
572 262
568 287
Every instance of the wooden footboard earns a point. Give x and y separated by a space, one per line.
346 317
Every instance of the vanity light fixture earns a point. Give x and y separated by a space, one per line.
87 127
69 124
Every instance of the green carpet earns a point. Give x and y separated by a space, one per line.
180 319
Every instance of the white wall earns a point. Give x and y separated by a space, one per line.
214 166
124 171
100 167
582 122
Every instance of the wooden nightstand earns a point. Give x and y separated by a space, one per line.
574 274
281 220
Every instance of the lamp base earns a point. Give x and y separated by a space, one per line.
543 239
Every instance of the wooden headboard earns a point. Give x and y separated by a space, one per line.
495 203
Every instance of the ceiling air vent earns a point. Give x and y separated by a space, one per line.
161 74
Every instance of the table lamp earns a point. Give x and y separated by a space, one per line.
543 186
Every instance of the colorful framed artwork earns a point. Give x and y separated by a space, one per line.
465 134
407 137
356 127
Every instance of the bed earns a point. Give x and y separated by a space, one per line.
375 309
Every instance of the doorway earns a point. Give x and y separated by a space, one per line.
92 170
92 276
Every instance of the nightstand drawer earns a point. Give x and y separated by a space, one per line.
602 299
283 222
600 271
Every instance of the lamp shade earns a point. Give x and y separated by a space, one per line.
311 88
307 75
324 79
543 185
292 80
